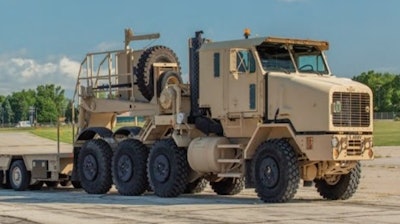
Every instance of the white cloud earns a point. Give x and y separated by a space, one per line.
19 72
69 67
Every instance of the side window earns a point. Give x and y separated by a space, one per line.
245 61
216 65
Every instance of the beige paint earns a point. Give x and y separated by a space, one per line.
303 99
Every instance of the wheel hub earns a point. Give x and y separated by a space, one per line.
90 167
17 176
269 172
161 168
125 168
332 179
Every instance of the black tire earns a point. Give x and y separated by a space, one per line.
129 167
228 186
343 187
275 171
19 176
144 70
76 184
94 166
52 184
167 169
36 186
196 186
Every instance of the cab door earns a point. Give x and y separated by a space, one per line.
242 82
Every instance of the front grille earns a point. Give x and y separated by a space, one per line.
351 109
354 148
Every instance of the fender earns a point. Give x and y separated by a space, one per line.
268 131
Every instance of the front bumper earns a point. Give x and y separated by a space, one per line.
336 147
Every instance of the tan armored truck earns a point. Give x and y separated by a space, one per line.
261 113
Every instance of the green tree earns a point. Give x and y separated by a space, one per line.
50 102
385 88
8 115
47 110
19 107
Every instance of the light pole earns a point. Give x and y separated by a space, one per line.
32 110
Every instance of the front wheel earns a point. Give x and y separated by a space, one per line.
275 171
94 166
339 187
168 169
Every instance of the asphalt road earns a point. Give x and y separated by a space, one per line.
376 201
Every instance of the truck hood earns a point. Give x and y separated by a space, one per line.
328 83
306 100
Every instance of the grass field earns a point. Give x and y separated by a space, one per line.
386 133
65 132
51 133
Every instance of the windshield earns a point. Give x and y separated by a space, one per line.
277 57
309 59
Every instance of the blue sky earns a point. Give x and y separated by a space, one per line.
44 41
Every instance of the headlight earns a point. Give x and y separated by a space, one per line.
334 142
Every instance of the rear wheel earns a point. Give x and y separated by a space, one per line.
94 166
339 187
168 169
129 167
196 186
228 186
275 171
19 176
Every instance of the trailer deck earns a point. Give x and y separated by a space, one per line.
42 159
25 143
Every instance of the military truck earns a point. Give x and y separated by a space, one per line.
261 113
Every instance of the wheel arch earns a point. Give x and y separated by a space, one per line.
270 131
90 133
127 131
8 160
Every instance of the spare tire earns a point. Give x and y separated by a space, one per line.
144 71
167 78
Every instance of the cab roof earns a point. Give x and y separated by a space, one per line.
251 42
